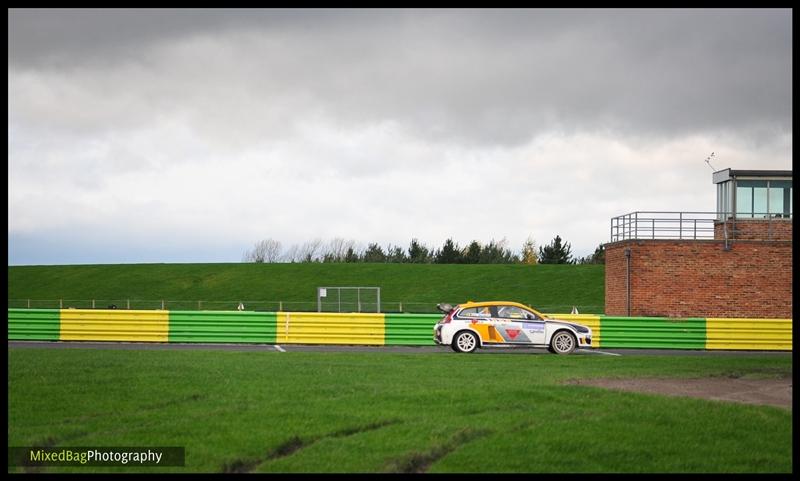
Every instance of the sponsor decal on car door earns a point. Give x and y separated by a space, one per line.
480 321
512 332
534 330
517 327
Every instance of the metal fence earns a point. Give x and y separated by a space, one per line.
348 299
420 307
684 225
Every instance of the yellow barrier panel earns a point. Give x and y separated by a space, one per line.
330 328
114 325
592 321
756 334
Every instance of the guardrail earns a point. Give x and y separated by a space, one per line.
374 329
686 225
387 307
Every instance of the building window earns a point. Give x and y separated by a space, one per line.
763 198
780 197
725 207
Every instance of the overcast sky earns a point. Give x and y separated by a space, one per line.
188 135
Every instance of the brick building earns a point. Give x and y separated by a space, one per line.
734 262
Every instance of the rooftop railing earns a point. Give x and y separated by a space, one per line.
685 225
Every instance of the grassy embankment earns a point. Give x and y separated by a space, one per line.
550 288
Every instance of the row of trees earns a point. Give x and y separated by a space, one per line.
495 252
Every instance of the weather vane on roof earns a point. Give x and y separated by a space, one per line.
708 161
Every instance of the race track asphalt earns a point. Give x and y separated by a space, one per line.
289 348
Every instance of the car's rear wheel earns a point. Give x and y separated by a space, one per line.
563 342
465 341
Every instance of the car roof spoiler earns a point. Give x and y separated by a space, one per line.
444 307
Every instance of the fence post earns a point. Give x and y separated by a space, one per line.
29 303
61 303
92 303
280 306
129 304
401 307
199 304
162 304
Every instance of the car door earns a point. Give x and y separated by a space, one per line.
519 326
479 319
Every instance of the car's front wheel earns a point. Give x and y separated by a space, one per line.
465 341
563 342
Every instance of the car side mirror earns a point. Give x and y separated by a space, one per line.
530 317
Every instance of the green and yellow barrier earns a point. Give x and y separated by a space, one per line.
744 334
592 321
410 329
330 328
114 325
222 326
653 332
373 329
34 324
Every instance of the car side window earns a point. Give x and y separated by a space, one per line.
475 313
514 312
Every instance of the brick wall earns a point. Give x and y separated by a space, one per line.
677 278
742 229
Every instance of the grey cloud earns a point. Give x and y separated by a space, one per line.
209 126
482 77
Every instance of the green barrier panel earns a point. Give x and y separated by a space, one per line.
34 324
222 326
410 329
653 332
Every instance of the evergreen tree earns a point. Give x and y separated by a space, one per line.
374 253
396 254
472 254
449 254
599 256
351 255
556 253
417 253
494 253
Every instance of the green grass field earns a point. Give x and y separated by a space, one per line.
391 412
550 288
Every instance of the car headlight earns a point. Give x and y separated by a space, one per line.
579 328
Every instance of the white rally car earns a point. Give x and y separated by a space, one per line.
469 326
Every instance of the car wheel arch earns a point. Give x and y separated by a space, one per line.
471 331
560 329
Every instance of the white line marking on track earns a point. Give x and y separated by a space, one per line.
601 352
279 348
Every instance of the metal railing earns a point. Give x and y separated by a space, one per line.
686 225
417 307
